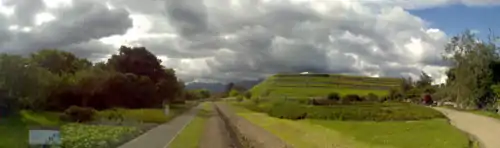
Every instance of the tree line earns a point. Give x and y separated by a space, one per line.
473 74
52 79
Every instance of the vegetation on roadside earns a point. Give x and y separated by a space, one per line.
190 136
94 136
309 133
389 111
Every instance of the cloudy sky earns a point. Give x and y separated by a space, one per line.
229 40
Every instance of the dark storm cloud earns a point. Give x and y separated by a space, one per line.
188 16
83 22
221 40
25 10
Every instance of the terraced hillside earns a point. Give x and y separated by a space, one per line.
311 85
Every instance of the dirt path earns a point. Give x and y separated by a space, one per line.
215 134
485 129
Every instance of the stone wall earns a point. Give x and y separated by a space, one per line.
248 134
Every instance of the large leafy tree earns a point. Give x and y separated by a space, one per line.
139 61
59 62
471 74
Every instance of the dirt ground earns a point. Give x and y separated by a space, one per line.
486 130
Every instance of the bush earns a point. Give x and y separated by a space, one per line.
78 114
321 102
371 97
248 95
333 96
373 112
288 110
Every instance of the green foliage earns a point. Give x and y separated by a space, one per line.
334 96
287 110
94 136
234 93
59 62
78 114
372 97
248 94
471 75
320 101
350 98
354 111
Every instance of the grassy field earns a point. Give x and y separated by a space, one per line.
15 129
326 133
301 86
191 135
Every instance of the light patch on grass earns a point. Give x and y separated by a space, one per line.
302 134
435 133
191 135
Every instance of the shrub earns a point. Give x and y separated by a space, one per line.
248 95
371 97
288 110
78 114
239 98
373 112
321 102
334 96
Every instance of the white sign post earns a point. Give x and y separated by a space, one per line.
166 110
44 137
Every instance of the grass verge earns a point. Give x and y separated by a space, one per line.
326 133
436 133
191 135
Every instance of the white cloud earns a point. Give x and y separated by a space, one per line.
220 40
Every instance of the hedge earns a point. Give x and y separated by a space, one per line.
357 111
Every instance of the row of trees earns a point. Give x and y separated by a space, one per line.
473 75
55 80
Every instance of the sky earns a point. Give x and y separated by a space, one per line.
231 40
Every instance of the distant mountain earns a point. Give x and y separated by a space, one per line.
220 87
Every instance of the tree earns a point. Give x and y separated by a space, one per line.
141 62
204 94
229 87
471 73
28 83
59 62
424 81
234 93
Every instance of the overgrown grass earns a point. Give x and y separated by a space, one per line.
146 115
191 135
301 134
435 133
94 136
13 133
324 133
358 111
14 129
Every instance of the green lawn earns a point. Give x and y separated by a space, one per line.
14 133
325 133
191 135
436 133
15 129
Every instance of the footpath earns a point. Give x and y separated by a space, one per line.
162 135
485 129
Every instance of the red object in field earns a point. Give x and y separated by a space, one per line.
427 99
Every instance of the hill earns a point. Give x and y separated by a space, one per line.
311 85
221 87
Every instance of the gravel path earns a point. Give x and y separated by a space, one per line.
215 134
485 129
162 135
